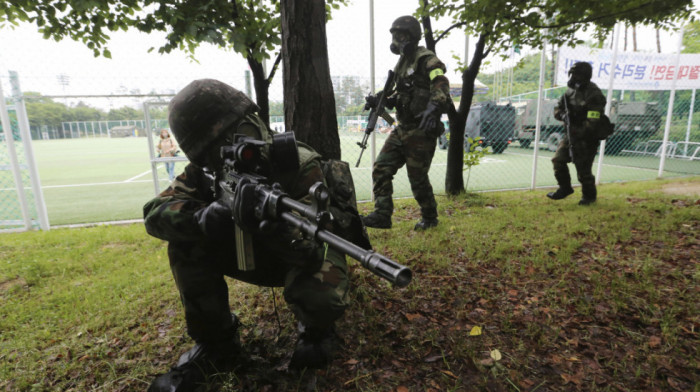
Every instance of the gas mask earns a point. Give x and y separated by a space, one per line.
576 81
401 43
580 75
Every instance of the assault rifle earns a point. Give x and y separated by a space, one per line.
376 110
257 204
567 124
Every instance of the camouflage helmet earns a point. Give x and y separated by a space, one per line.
408 24
582 69
204 110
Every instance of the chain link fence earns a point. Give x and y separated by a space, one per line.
104 160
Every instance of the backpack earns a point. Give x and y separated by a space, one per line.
604 128
347 222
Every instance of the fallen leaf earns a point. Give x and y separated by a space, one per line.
496 355
413 316
449 373
487 362
401 388
654 341
476 331
571 378
351 362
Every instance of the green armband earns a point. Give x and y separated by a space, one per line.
593 114
435 72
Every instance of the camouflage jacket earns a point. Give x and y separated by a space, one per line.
420 79
586 107
170 215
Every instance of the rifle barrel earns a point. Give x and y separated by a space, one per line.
376 263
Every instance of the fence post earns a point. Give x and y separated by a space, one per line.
14 162
373 138
672 97
608 103
23 123
538 118
690 123
151 147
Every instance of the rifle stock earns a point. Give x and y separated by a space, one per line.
375 113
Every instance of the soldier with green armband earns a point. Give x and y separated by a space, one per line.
421 94
581 109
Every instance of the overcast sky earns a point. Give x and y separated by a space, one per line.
39 61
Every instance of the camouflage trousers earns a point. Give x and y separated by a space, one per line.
584 154
317 296
415 149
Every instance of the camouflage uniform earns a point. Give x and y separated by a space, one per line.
316 293
419 80
585 105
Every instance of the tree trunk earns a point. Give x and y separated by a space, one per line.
262 89
309 103
427 28
454 180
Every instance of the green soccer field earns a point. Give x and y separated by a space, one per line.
100 179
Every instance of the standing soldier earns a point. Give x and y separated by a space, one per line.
421 96
581 109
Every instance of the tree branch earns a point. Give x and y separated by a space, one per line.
589 19
444 33
274 67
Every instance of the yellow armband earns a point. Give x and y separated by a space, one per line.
435 72
593 114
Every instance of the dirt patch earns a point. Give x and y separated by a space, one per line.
682 188
9 284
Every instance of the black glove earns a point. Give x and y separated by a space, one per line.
391 102
216 221
371 101
429 117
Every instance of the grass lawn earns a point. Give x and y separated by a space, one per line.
511 292
100 179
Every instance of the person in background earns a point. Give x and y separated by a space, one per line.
581 109
422 93
167 149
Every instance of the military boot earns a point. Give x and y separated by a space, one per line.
425 224
377 220
315 347
565 189
560 193
200 363
590 194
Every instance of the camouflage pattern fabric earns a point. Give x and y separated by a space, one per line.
415 87
584 152
407 144
581 102
415 149
316 290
